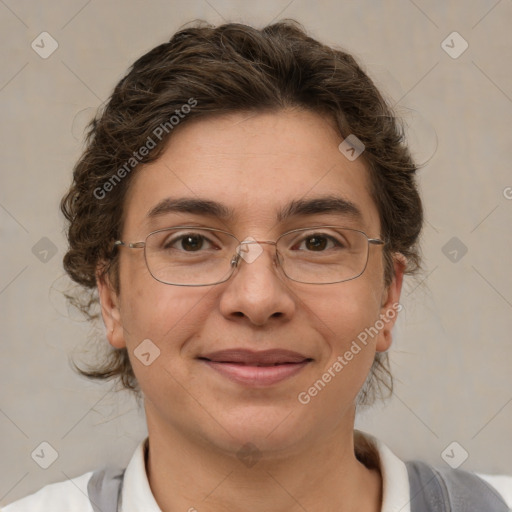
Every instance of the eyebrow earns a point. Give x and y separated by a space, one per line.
190 205
318 205
295 208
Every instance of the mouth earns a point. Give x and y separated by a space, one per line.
263 368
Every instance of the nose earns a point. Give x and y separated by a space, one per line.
257 291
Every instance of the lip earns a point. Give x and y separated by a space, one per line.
262 368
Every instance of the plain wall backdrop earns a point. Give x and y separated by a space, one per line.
452 351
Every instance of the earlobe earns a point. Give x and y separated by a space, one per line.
391 306
110 311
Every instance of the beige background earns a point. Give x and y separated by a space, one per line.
453 347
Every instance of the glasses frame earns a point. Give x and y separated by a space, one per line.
235 260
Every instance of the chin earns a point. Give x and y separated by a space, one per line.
265 429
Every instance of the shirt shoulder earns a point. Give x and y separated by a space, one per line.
396 485
502 484
66 496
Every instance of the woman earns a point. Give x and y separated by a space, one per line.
245 210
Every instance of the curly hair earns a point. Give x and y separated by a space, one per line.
217 70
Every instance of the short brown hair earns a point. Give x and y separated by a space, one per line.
232 68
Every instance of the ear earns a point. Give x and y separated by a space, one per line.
390 305
110 310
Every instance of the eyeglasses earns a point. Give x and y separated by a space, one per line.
192 256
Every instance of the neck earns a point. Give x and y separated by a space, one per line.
185 474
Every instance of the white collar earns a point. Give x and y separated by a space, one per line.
395 479
137 496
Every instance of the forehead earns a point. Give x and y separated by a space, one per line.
253 170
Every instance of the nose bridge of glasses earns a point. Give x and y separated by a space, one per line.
251 240
250 249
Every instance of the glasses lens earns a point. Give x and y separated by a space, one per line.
323 255
190 256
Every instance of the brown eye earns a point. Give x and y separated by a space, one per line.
316 243
189 242
192 242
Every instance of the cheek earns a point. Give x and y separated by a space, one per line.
158 312
347 310
153 310
345 323
342 322
158 321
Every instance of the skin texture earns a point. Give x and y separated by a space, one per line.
197 419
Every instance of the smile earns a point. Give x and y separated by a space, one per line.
257 369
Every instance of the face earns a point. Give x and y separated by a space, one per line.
254 165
